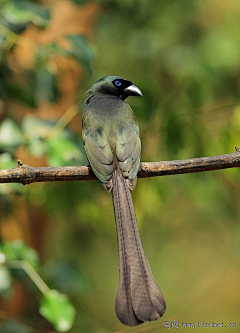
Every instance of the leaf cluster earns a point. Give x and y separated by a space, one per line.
37 82
26 85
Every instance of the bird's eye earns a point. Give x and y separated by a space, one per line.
117 83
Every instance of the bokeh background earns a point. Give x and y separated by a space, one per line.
185 57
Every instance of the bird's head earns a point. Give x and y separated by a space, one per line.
114 85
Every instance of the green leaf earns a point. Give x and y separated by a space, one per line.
80 50
36 131
17 250
34 127
5 279
25 11
7 161
64 151
10 136
56 308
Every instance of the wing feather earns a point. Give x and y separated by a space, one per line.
128 151
99 154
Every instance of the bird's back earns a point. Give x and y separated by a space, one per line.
111 134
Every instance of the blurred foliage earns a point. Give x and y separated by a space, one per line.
24 12
55 306
185 57
39 81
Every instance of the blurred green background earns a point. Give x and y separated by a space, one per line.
185 57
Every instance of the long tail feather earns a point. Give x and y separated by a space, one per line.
138 298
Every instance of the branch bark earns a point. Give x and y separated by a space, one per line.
25 174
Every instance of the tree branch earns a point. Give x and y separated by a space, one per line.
25 174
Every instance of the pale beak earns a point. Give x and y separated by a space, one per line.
133 91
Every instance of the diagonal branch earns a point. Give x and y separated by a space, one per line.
25 174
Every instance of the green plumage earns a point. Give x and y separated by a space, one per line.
110 133
113 148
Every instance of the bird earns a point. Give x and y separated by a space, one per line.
113 147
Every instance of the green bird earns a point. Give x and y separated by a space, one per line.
113 148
